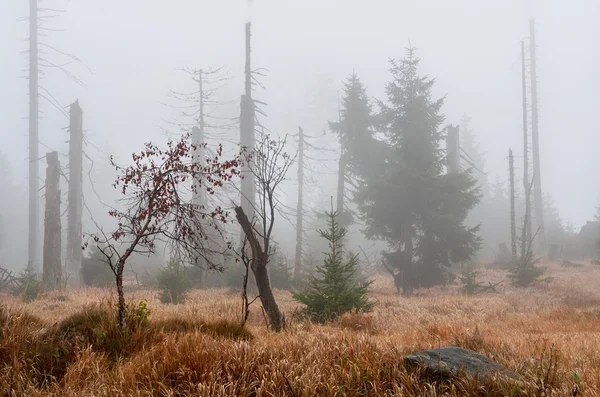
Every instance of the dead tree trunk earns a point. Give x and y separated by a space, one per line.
513 226
537 183
74 236
199 195
247 143
299 208
33 137
527 224
258 265
248 188
52 276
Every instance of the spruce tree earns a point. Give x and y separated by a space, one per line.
355 132
334 291
411 203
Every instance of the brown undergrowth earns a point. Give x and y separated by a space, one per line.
68 344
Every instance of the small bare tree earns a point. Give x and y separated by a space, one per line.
269 164
158 189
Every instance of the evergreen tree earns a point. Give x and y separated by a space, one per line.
173 283
411 204
355 132
95 271
475 157
474 160
334 291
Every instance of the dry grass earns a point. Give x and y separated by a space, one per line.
68 345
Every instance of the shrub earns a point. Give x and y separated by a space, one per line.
468 279
95 272
335 290
525 272
29 286
173 283
279 272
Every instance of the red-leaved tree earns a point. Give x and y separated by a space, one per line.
157 206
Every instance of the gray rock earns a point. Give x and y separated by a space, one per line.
451 361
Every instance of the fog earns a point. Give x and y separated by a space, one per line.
133 49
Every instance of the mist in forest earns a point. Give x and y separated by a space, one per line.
132 52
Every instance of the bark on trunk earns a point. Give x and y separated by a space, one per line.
407 257
267 298
52 271
258 265
121 303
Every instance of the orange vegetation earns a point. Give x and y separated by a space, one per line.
66 344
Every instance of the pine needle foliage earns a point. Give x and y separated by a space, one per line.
173 283
468 279
334 290
526 272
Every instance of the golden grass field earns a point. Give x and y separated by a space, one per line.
550 334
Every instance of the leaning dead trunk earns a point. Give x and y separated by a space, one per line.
258 265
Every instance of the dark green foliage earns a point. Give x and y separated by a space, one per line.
355 131
233 275
559 234
95 272
196 275
526 272
173 283
410 202
334 290
280 274
468 279
29 285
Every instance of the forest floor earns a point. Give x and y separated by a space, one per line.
65 344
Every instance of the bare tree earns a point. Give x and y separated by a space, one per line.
42 58
197 111
158 207
270 165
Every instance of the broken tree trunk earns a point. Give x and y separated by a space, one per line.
52 274
258 265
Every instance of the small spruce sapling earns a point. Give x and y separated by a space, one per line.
174 283
468 279
334 291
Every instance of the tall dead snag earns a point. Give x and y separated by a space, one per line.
535 144
247 139
75 197
299 208
157 200
270 166
525 141
197 110
199 195
52 274
513 227
33 134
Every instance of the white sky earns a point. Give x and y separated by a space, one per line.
472 48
